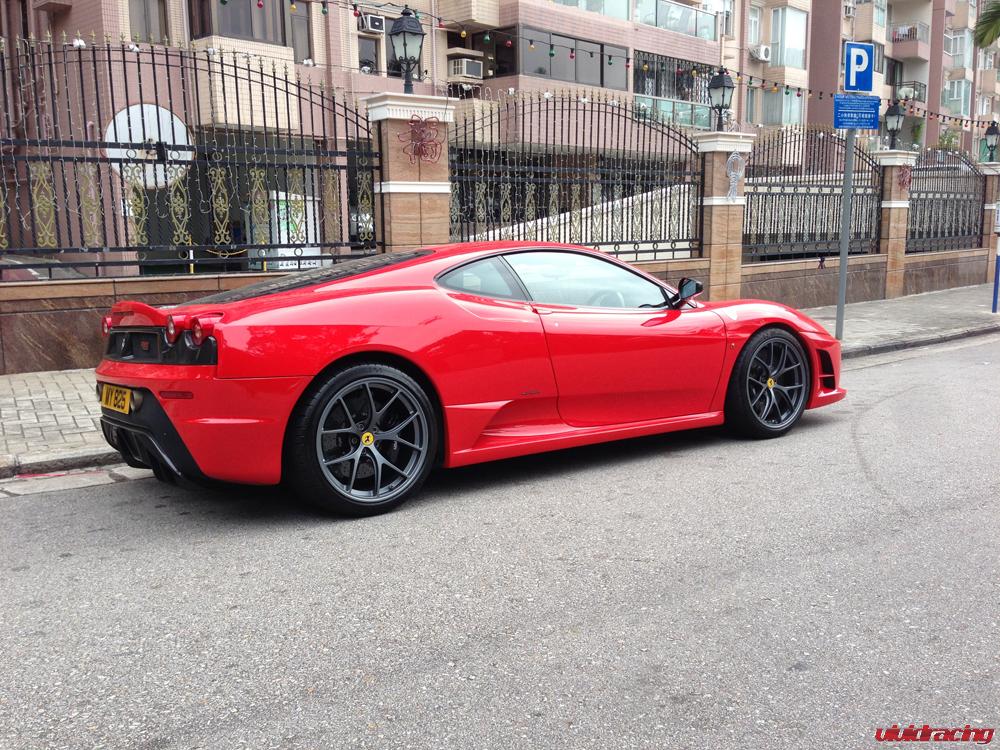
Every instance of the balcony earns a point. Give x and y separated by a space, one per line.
679 18
910 91
911 41
965 16
473 15
675 112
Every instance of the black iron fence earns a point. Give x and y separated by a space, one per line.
127 159
589 170
947 192
794 183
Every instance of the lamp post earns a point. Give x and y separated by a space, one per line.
893 122
992 137
407 39
720 94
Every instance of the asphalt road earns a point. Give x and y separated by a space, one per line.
685 591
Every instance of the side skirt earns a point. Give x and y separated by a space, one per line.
538 438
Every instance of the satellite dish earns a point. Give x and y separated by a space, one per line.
167 136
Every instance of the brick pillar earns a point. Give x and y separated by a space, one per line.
897 169
722 214
992 172
415 192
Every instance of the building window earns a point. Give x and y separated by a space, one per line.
147 19
273 24
676 17
879 12
751 113
673 90
956 96
592 63
788 37
498 59
368 55
782 109
753 25
612 8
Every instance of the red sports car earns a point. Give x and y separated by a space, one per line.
351 382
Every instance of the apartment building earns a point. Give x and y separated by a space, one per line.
924 56
661 51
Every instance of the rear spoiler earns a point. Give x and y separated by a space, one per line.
137 314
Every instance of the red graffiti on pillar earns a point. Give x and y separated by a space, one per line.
423 141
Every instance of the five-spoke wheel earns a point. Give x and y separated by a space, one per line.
363 441
769 386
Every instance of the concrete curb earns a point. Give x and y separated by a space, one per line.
912 342
43 462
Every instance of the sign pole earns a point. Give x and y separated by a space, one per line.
845 229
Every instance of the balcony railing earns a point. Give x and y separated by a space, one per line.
912 31
910 91
674 112
682 19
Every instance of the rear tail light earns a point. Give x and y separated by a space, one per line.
106 325
202 328
175 325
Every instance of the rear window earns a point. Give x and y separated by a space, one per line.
339 270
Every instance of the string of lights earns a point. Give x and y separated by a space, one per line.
508 39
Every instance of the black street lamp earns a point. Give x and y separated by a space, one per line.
992 136
894 122
407 39
720 93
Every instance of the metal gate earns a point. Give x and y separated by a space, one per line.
947 192
591 170
794 183
126 159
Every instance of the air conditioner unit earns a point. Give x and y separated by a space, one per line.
849 10
463 67
371 23
761 52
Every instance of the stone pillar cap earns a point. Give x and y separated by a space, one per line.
991 168
895 158
393 106
711 141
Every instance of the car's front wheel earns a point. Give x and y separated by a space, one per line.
769 386
362 441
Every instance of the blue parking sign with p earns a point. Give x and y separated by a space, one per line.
859 67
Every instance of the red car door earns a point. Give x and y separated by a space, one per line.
614 360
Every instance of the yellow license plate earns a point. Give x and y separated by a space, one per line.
115 398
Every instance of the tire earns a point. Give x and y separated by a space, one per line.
769 386
371 462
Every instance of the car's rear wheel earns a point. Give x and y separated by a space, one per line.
769 386
362 441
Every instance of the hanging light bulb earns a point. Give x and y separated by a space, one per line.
292 6
531 44
611 60
464 34
326 7
645 67
440 23
260 3
572 54
628 62
508 44
552 50
486 37
357 13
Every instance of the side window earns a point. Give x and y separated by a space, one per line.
567 278
489 278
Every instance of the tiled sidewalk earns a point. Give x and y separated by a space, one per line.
49 420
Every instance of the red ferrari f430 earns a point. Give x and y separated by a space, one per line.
352 382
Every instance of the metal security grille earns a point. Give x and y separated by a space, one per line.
947 192
568 168
128 159
794 183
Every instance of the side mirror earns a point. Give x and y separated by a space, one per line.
688 289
